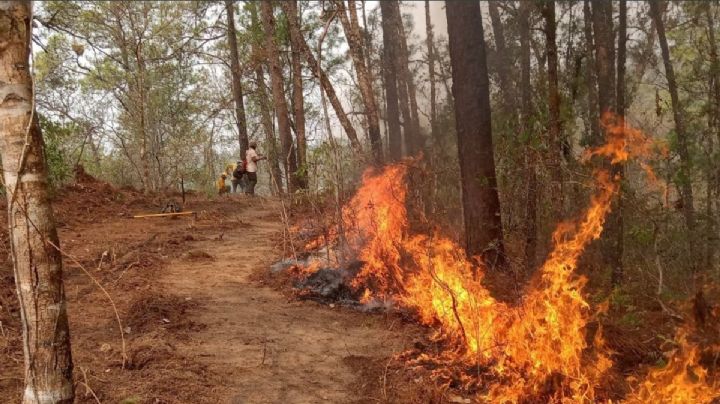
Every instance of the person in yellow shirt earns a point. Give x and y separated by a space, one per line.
221 187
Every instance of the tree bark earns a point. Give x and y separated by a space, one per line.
34 244
392 107
355 42
713 185
554 153
263 101
288 157
526 110
615 219
292 12
414 142
682 140
604 38
604 55
429 39
591 77
504 71
391 82
406 84
235 75
144 153
471 91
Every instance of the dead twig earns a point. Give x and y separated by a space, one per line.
669 312
88 389
132 264
262 362
384 389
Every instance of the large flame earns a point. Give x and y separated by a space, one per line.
539 347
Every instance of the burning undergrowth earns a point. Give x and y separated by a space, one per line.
541 349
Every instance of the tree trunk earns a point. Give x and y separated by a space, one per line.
471 91
406 85
235 74
604 56
392 112
144 153
554 153
327 86
531 241
682 141
355 42
615 219
432 156
713 176
505 63
298 99
431 74
34 244
288 156
604 38
265 112
591 77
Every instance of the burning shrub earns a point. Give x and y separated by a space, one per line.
536 350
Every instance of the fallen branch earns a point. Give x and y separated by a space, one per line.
165 214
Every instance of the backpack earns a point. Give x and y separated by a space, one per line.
240 170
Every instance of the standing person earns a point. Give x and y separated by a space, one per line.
238 175
251 158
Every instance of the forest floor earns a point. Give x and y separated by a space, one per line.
200 325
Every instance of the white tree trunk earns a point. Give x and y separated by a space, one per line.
36 260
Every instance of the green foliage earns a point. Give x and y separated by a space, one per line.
56 136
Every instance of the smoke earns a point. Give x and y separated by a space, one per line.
437 17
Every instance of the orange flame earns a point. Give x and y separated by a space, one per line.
682 380
542 340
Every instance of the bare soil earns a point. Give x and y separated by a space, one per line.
199 326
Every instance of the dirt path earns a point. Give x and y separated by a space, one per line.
198 327
272 350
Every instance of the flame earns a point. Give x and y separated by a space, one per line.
682 380
536 349
375 223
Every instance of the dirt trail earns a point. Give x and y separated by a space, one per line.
271 350
199 325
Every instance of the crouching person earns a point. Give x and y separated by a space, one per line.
221 187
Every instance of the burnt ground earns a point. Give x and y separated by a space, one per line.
198 327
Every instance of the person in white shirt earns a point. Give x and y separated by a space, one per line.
252 157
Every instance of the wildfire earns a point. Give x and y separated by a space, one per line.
682 380
540 342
